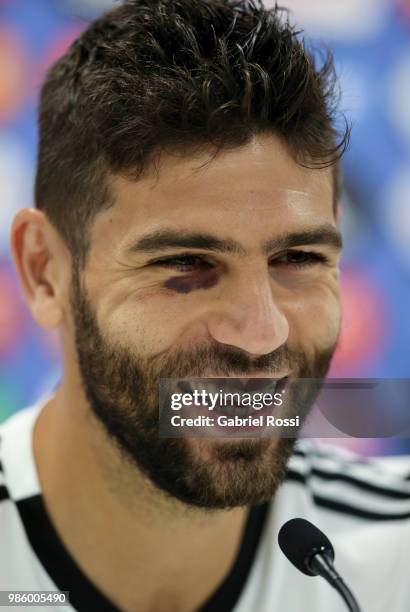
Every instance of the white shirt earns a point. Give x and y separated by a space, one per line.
363 507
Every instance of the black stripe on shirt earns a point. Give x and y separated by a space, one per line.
357 482
318 453
330 504
360 484
337 506
4 494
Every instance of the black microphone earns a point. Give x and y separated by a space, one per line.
312 553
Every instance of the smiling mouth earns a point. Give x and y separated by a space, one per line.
236 388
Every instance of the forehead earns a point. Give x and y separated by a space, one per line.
257 187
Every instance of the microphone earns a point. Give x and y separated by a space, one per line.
312 553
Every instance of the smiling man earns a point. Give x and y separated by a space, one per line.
186 225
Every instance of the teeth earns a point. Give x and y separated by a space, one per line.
203 387
212 387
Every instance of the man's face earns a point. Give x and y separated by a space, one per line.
226 270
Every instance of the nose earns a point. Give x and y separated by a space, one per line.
249 317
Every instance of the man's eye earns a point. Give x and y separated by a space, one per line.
300 259
295 259
182 262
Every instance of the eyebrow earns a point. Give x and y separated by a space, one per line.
164 239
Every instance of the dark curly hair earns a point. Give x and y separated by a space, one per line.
157 75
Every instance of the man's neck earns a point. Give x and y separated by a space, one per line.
120 530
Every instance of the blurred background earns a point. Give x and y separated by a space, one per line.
371 43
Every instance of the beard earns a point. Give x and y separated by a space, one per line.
121 387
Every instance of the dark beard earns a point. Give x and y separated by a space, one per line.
122 390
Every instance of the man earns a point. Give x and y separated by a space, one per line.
186 226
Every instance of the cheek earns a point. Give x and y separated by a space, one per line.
153 319
315 317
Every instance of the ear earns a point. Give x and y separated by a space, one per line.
39 258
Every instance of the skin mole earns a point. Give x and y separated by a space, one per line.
185 284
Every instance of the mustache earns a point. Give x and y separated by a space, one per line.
223 361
